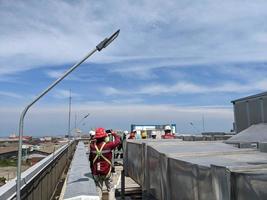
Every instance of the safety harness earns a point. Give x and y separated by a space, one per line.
99 154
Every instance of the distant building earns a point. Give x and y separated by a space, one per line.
24 138
6 142
63 140
250 110
12 139
216 133
46 139
12 135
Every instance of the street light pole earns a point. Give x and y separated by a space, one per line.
69 116
75 121
191 123
99 47
76 125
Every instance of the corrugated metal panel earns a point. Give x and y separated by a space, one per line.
250 110
155 173
265 109
255 111
183 177
249 184
241 116
221 182
134 161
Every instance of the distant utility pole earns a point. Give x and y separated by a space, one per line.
203 123
69 131
75 125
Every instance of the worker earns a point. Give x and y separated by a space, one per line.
125 133
120 147
153 135
132 135
101 161
137 134
123 138
109 138
144 134
168 133
91 135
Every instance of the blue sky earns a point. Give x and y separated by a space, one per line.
173 62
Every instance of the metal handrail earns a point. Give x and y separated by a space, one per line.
8 191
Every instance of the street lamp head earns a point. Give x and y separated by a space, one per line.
86 115
107 41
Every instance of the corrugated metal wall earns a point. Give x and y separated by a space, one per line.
241 119
255 111
250 111
265 109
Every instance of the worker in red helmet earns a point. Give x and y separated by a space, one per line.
132 135
168 133
101 160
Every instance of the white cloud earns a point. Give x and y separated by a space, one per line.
48 33
54 73
112 91
190 88
63 94
10 94
128 101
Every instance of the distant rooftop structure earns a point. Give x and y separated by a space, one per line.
4 150
152 127
217 133
11 139
13 136
250 110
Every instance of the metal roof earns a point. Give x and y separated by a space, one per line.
254 133
250 97
200 170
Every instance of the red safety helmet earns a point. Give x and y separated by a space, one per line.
100 133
